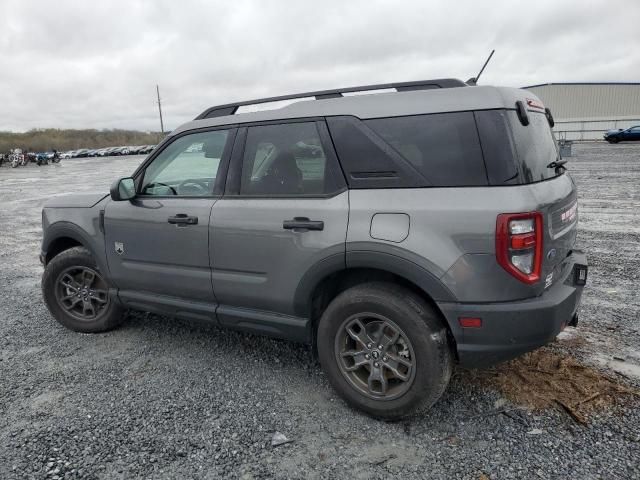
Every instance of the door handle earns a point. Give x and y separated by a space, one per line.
303 223
183 219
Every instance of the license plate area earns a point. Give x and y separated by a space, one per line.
580 273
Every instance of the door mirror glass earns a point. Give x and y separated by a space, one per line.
123 189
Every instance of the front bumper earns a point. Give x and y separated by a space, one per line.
510 329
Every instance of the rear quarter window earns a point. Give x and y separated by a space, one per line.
444 148
367 160
498 147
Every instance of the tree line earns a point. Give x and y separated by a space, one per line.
47 139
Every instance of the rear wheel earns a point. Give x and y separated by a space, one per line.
77 294
384 350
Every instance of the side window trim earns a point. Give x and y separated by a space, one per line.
219 186
234 175
139 174
332 163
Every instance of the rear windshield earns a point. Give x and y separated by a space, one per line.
535 147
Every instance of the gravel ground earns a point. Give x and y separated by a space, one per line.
160 398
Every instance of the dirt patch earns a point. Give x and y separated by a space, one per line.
545 379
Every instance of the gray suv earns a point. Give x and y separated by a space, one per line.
398 232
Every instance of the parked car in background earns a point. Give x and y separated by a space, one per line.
147 149
83 152
623 135
41 158
65 154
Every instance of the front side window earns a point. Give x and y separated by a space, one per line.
186 167
286 159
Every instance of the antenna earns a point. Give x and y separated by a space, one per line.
474 80
160 109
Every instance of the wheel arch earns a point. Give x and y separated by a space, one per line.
59 245
332 276
62 236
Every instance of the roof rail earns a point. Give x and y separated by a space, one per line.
231 108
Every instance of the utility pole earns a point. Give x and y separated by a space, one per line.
160 109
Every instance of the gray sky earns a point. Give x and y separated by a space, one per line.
94 64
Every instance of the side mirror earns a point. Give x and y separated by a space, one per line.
123 189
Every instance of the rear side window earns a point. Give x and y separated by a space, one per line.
444 147
285 159
535 147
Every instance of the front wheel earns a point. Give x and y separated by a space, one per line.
384 349
77 294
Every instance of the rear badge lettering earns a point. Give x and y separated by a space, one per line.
548 281
119 246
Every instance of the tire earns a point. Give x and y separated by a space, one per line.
424 345
63 284
614 140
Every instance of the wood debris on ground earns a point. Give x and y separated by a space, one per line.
543 379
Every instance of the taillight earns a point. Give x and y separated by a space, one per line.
519 245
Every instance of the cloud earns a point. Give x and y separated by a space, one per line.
95 64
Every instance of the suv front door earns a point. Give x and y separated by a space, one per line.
284 212
158 242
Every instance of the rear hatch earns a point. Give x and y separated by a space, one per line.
553 189
520 150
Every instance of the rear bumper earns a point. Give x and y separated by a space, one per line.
510 329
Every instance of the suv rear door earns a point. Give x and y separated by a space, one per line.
158 242
285 210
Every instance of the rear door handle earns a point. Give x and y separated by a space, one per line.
303 224
183 219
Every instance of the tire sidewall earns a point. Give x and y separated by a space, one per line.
76 257
421 327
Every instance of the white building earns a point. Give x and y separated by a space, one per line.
584 111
